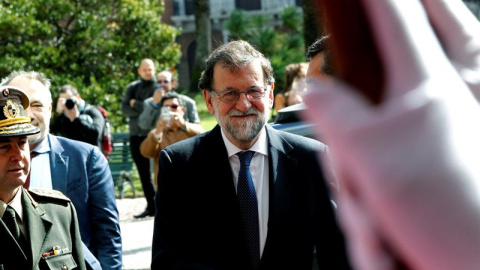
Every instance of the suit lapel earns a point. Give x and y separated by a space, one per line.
59 163
38 225
282 169
219 156
281 165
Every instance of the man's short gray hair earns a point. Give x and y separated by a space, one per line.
233 55
33 75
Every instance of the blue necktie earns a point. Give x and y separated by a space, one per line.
248 206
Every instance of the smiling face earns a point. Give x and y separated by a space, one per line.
242 120
40 109
14 165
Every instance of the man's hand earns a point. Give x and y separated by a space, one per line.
132 102
158 94
177 121
73 113
409 167
161 124
60 105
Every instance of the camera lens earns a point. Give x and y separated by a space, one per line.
70 103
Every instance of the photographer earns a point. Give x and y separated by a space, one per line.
171 127
77 120
166 83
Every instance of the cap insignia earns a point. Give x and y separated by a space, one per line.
5 92
11 109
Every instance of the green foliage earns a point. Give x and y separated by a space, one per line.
282 45
292 20
95 45
207 120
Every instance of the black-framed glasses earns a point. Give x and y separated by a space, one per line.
252 93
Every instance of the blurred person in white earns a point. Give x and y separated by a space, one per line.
408 166
299 89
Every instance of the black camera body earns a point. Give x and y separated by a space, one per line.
70 103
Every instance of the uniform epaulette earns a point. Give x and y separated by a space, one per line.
47 193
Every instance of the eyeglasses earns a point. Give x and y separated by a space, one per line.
173 106
231 96
164 81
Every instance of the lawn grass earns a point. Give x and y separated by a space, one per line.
207 121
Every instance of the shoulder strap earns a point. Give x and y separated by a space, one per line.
45 193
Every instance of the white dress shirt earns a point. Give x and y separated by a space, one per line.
260 176
40 174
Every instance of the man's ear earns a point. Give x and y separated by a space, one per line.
208 101
50 110
270 95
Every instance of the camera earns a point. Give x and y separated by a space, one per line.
165 114
70 103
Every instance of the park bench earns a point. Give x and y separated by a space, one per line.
121 164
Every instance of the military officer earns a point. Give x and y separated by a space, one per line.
38 228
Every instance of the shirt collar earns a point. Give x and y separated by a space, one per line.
43 147
260 145
15 203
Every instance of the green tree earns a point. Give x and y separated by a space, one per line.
95 45
282 45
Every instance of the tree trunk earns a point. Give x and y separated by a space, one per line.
203 46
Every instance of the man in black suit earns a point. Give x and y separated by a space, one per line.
279 212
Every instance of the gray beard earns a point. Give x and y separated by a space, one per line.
246 131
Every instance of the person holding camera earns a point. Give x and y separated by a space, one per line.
171 127
166 83
76 119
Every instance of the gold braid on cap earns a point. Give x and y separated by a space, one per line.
16 129
18 120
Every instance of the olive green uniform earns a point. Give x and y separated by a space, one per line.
50 221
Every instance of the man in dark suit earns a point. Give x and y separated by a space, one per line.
38 228
79 170
243 196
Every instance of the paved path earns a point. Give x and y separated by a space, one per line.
136 234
